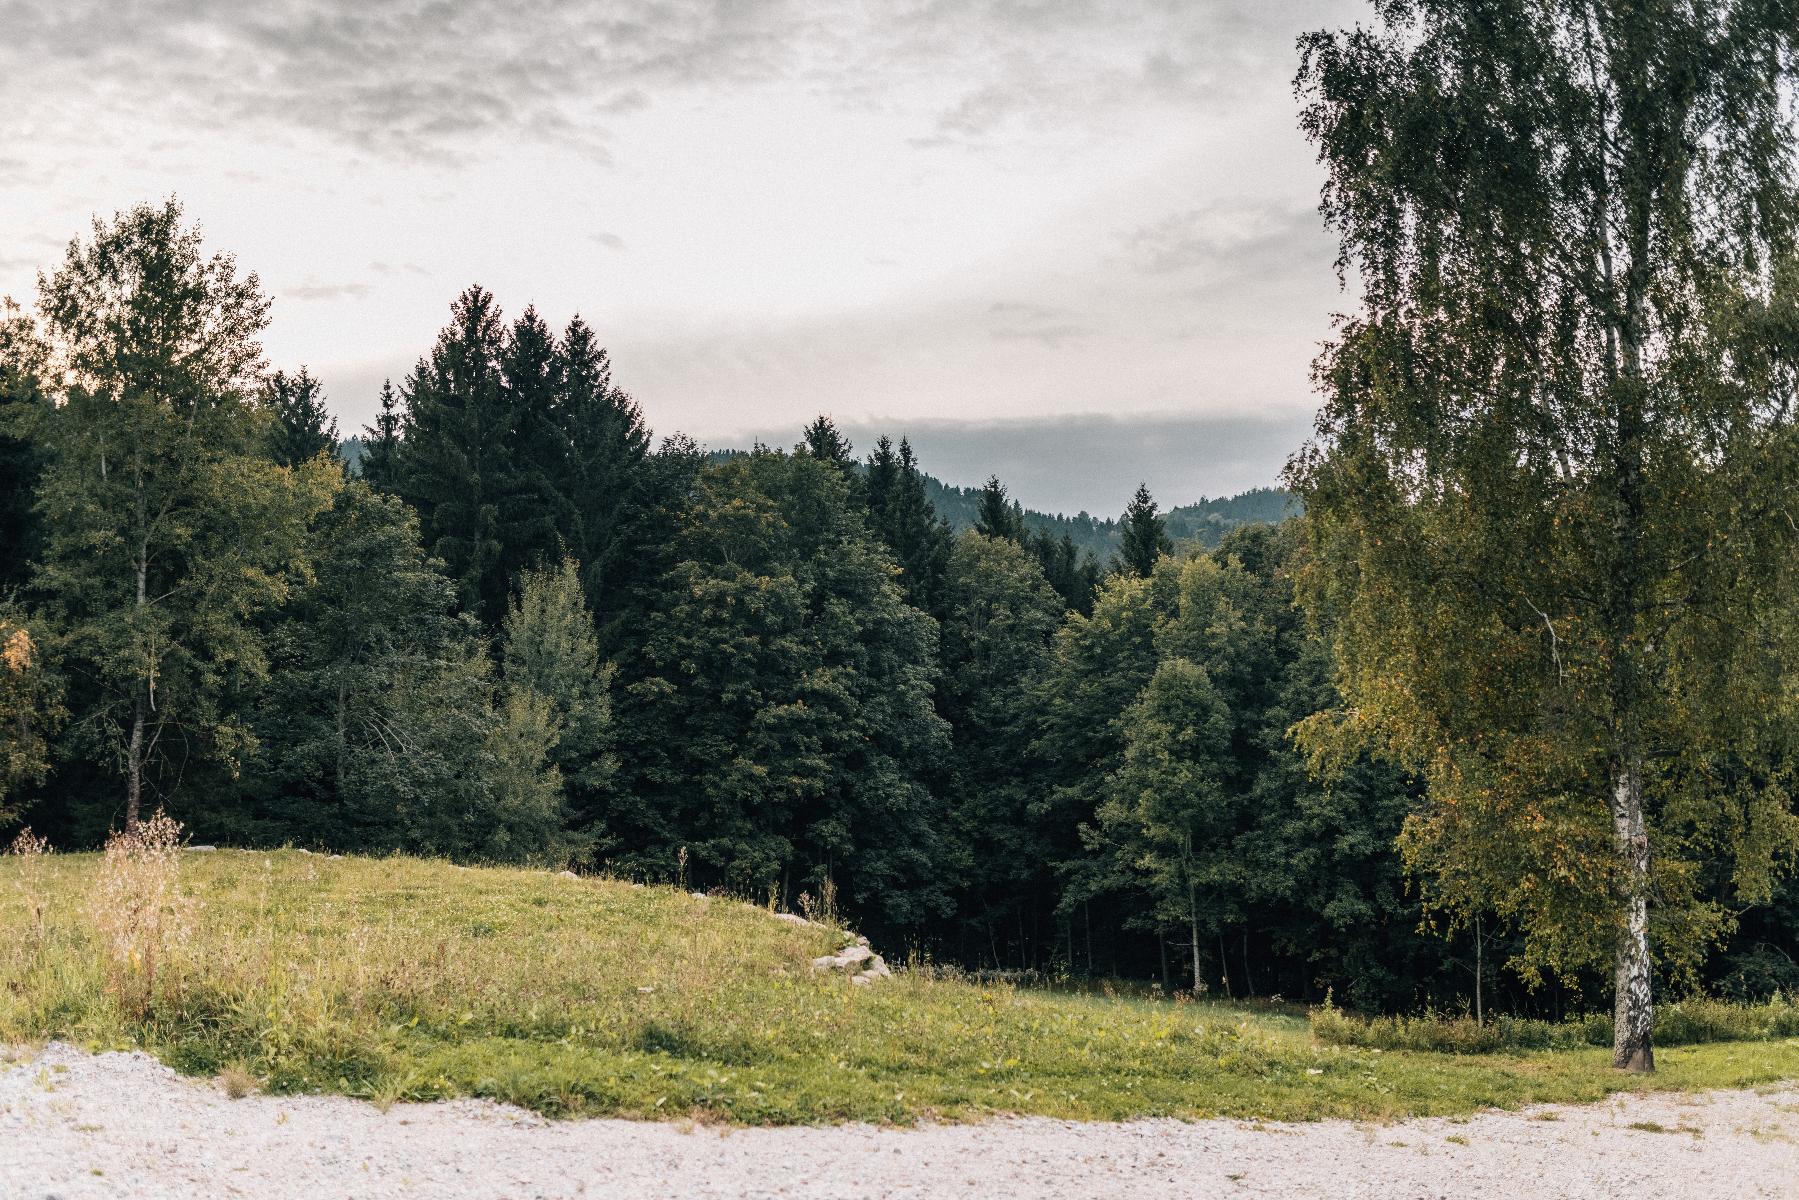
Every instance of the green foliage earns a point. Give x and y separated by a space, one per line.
999 616
999 515
1145 537
551 658
901 516
303 428
166 531
782 724
28 711
1543 506
1688 1022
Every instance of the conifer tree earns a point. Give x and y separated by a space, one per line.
999 516
23 393
1145 538
381 442
609 490
903 518
303 427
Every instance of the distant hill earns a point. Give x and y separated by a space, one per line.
1202 523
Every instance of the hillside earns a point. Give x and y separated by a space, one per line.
409 979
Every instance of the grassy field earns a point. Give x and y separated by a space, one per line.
405 979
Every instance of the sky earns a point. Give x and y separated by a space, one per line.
1073 244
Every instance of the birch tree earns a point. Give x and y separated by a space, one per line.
166 526
1549 499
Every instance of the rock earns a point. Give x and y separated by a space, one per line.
567 875
861 941
879 968
827 963
792 918
850 956
860 980
203 849
697 895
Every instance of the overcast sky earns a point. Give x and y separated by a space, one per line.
1073 243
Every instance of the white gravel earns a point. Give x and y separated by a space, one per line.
74 1125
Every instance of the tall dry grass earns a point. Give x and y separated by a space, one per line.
138 911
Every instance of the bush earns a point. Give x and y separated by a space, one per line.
1679 1023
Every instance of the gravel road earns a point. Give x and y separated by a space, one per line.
74 1126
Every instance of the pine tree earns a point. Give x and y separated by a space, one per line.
999 516
609 487
474 440
303 427
23 393
903 518
1144 536
1000 615
381 443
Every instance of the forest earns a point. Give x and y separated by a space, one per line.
522 630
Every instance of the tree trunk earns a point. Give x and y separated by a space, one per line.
134 762
1224 970
140 700
1479 1016
1249 983
343 740
1633 1012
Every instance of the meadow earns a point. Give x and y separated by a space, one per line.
399 978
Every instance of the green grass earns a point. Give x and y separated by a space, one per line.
403 979
1679 1023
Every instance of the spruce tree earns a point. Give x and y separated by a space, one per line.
903 518
998 516
23 393
381 443
303 427
1144 535
607 486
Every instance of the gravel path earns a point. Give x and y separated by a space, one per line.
73 1125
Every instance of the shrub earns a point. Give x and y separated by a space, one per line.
1677 1023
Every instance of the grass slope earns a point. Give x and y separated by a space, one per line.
398 978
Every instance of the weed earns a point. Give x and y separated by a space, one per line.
29 881
137 908
237 1081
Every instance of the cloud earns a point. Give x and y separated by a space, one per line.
1040 323
1228 241
435 80
324 291
392 78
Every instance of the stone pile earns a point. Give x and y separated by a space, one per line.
861 964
